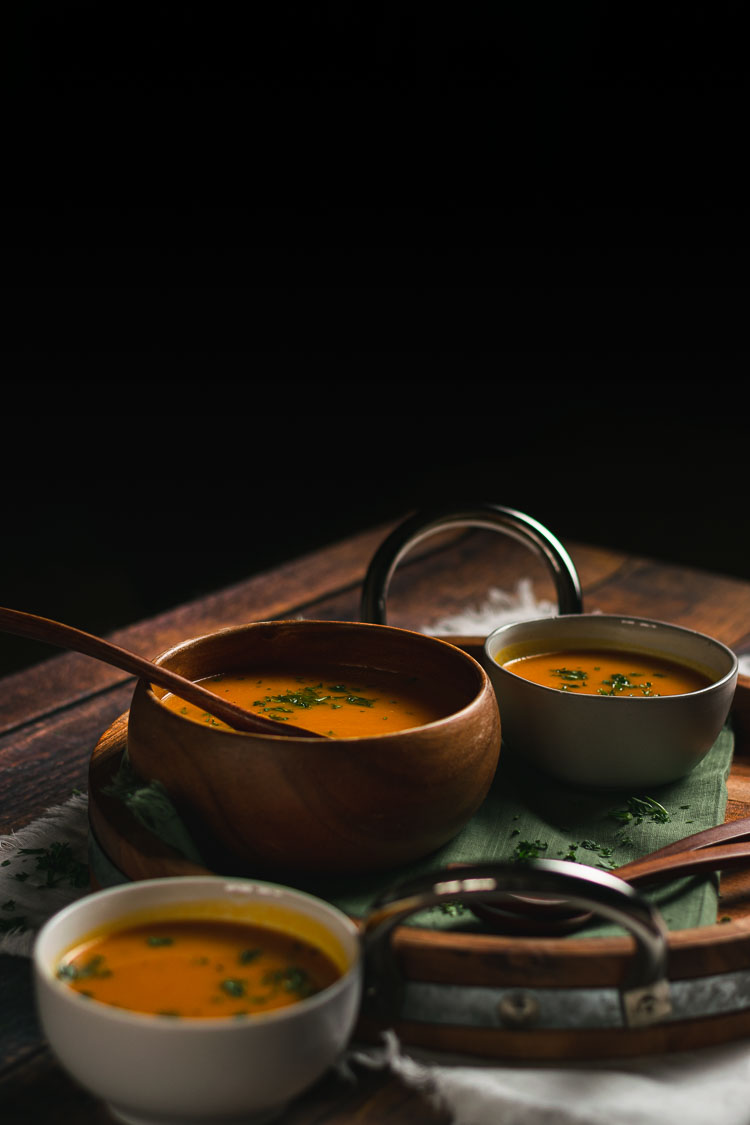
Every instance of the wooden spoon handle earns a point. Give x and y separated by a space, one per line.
731 831
694 861
68 637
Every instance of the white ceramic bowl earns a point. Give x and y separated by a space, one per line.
602 742
156 1071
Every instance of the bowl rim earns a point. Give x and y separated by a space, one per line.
43 967
471 662
491 646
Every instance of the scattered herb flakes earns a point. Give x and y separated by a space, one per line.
453 909
156 940
621 681
291 979
234 987
526 849
637 809
94 968
335 696
570 677
248 955
58 865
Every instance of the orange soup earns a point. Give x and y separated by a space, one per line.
608 672
197 968
375 704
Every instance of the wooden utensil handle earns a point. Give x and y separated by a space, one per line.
68 637
694 861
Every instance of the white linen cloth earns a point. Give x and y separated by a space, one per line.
703 1087
710 1086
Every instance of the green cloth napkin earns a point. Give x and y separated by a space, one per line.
527 815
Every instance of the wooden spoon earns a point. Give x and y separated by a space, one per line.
68 637
714 849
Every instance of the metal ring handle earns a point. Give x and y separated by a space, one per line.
644 994
483 514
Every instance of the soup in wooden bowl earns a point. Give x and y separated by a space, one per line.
408 737
197 999
607 701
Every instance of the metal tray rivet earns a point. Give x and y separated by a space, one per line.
518 1009
643 1007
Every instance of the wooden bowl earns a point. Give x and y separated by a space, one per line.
275 804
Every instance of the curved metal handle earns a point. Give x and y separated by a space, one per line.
644 994
484 514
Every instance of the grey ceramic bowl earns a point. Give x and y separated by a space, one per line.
602 742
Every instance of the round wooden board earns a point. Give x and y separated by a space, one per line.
483 961
134 851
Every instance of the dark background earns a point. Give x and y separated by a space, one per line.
107 521
272 274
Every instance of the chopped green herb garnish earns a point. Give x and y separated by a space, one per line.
638 809
234 987
527 850
569 673
249 955
620 682
291 979
314 697
59 865
452 909
95 967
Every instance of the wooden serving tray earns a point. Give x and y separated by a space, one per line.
487 995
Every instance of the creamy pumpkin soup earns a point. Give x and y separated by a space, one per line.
375 704
197 968
608 672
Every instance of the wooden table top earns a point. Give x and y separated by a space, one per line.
52 714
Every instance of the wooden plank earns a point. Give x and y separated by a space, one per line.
37 1089
45 761
446 581
62 681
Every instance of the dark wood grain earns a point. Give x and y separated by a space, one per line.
291 590
69 637
35 1089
